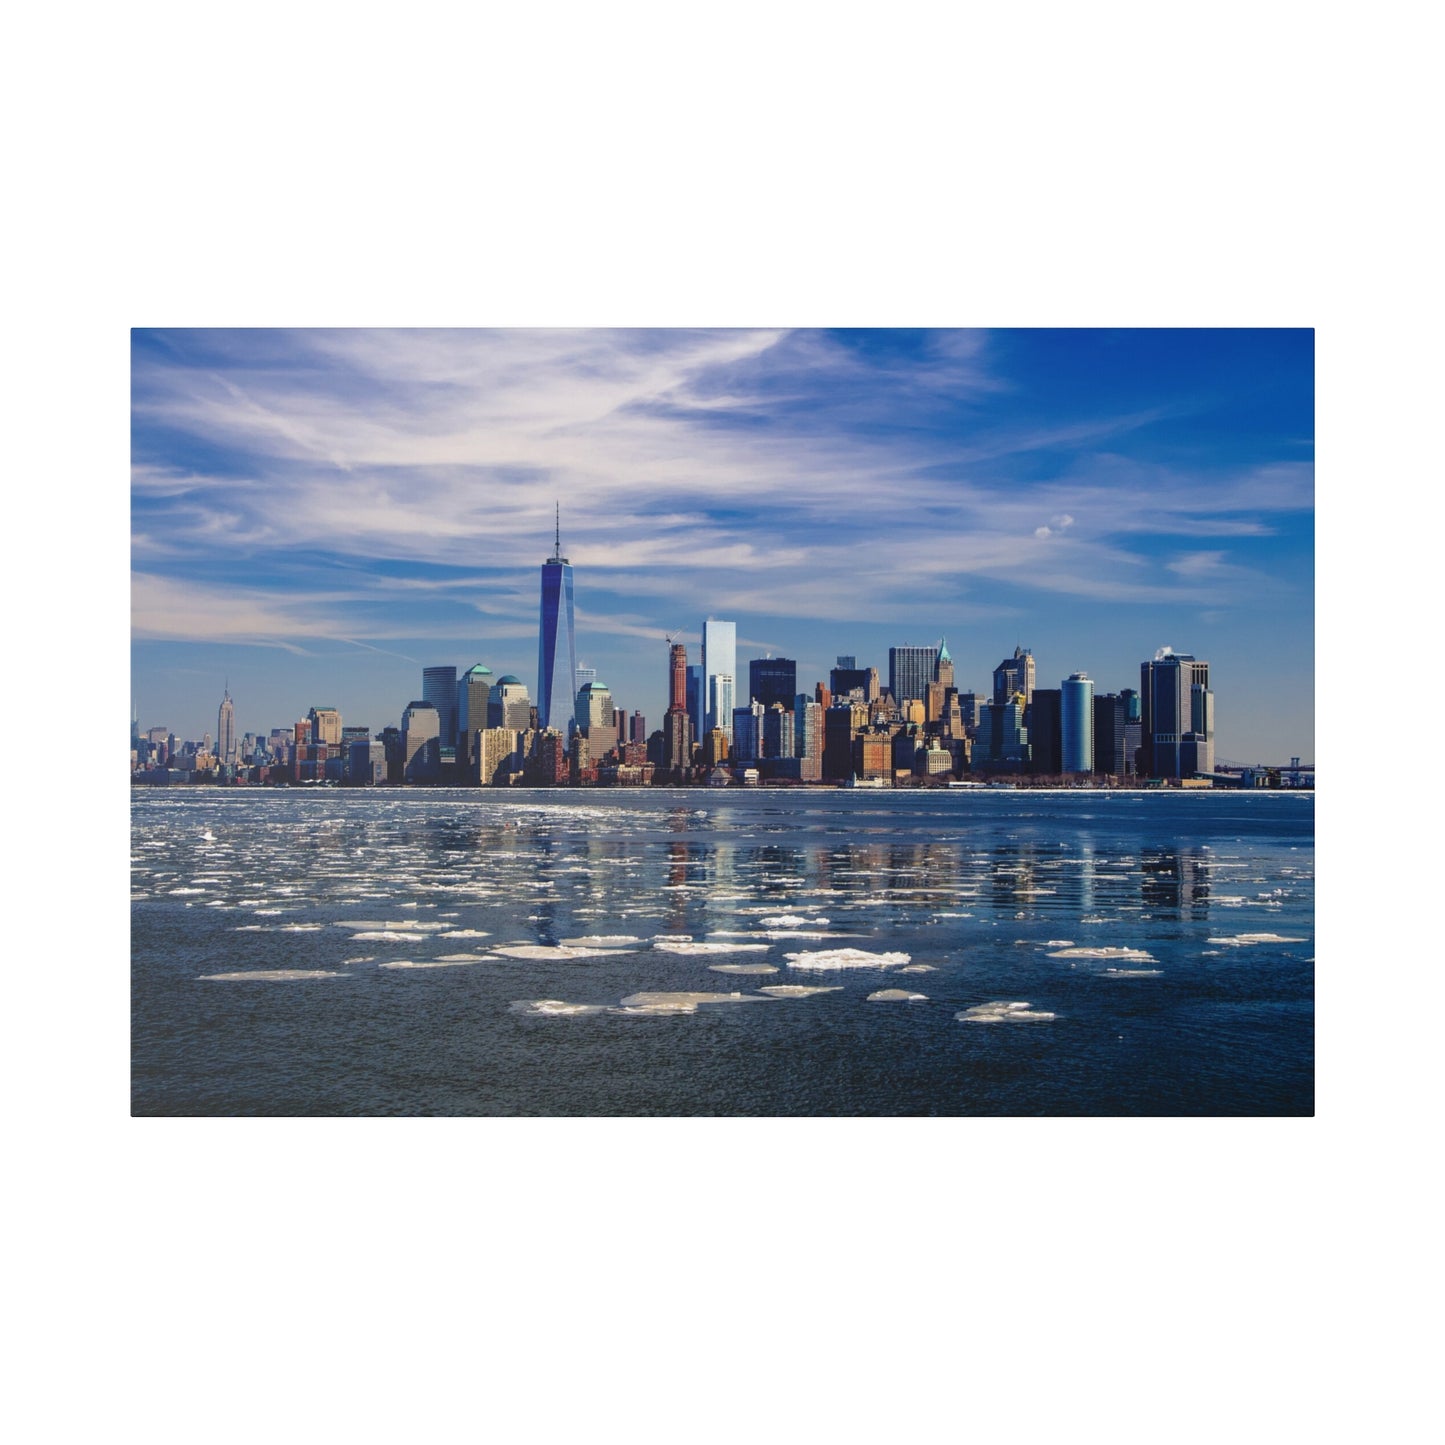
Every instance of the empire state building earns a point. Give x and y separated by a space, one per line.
556 641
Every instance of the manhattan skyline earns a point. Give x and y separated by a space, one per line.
318 516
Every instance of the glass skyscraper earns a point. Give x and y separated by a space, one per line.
556 642
1076 724
719 669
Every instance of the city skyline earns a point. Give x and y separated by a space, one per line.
323 515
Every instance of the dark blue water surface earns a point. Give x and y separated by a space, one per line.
450 952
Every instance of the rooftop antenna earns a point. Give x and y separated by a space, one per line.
558 551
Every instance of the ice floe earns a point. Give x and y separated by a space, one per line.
1137 955
828 958
449 960
1132 972
555 1007
390 935
897 995
652 1001
1243 940
551 951
918 968
599 940
1001 1012
689 946
464 933
798 990
742 968
273 973
791 920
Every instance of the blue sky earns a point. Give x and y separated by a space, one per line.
318 515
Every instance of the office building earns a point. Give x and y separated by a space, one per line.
421 743
1045 725
863 680
943 665
1111 735
696 699
226 751
594 715
808 737
1014 675
719 669
474 688
747 733
779 732
439 688
556 640
637 729
1076 724
1177 723
772 679
910 670
676 755
325 725
1002 744
508 705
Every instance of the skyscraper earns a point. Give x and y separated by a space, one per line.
910 670
439 688
556 640
1076 724
943 665
772 679
720 662
676 725
225 730
1178 716
1014 675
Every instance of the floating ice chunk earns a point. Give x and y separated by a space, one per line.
599 940
822 958
301 928
672 938
186 890
684 1002
918 968
448 960
1137 954
414 925
798 990
273 973
897 995
550 952
792 920
390 935
742 968
1243 940
554 1007
688 946
1000 1012
465 933
1133 972
1059 943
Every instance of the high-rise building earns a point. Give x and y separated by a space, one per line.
474 688
676 759
864 680
421 742
594 715
637 729
508 705
439 688
325 725
1178 716
910 670
1015 675
696 699
943 665
226 753
556 640
772 679
1110 735
1045 724
1003 739
1076 724
808 741
779 732
747 732
719 670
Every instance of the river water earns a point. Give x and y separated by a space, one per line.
733 952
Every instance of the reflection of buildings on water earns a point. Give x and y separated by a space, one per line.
1174 881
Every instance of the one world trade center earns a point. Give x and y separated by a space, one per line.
556 641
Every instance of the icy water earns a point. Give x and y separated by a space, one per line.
722 952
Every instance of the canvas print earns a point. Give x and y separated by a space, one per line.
746 722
